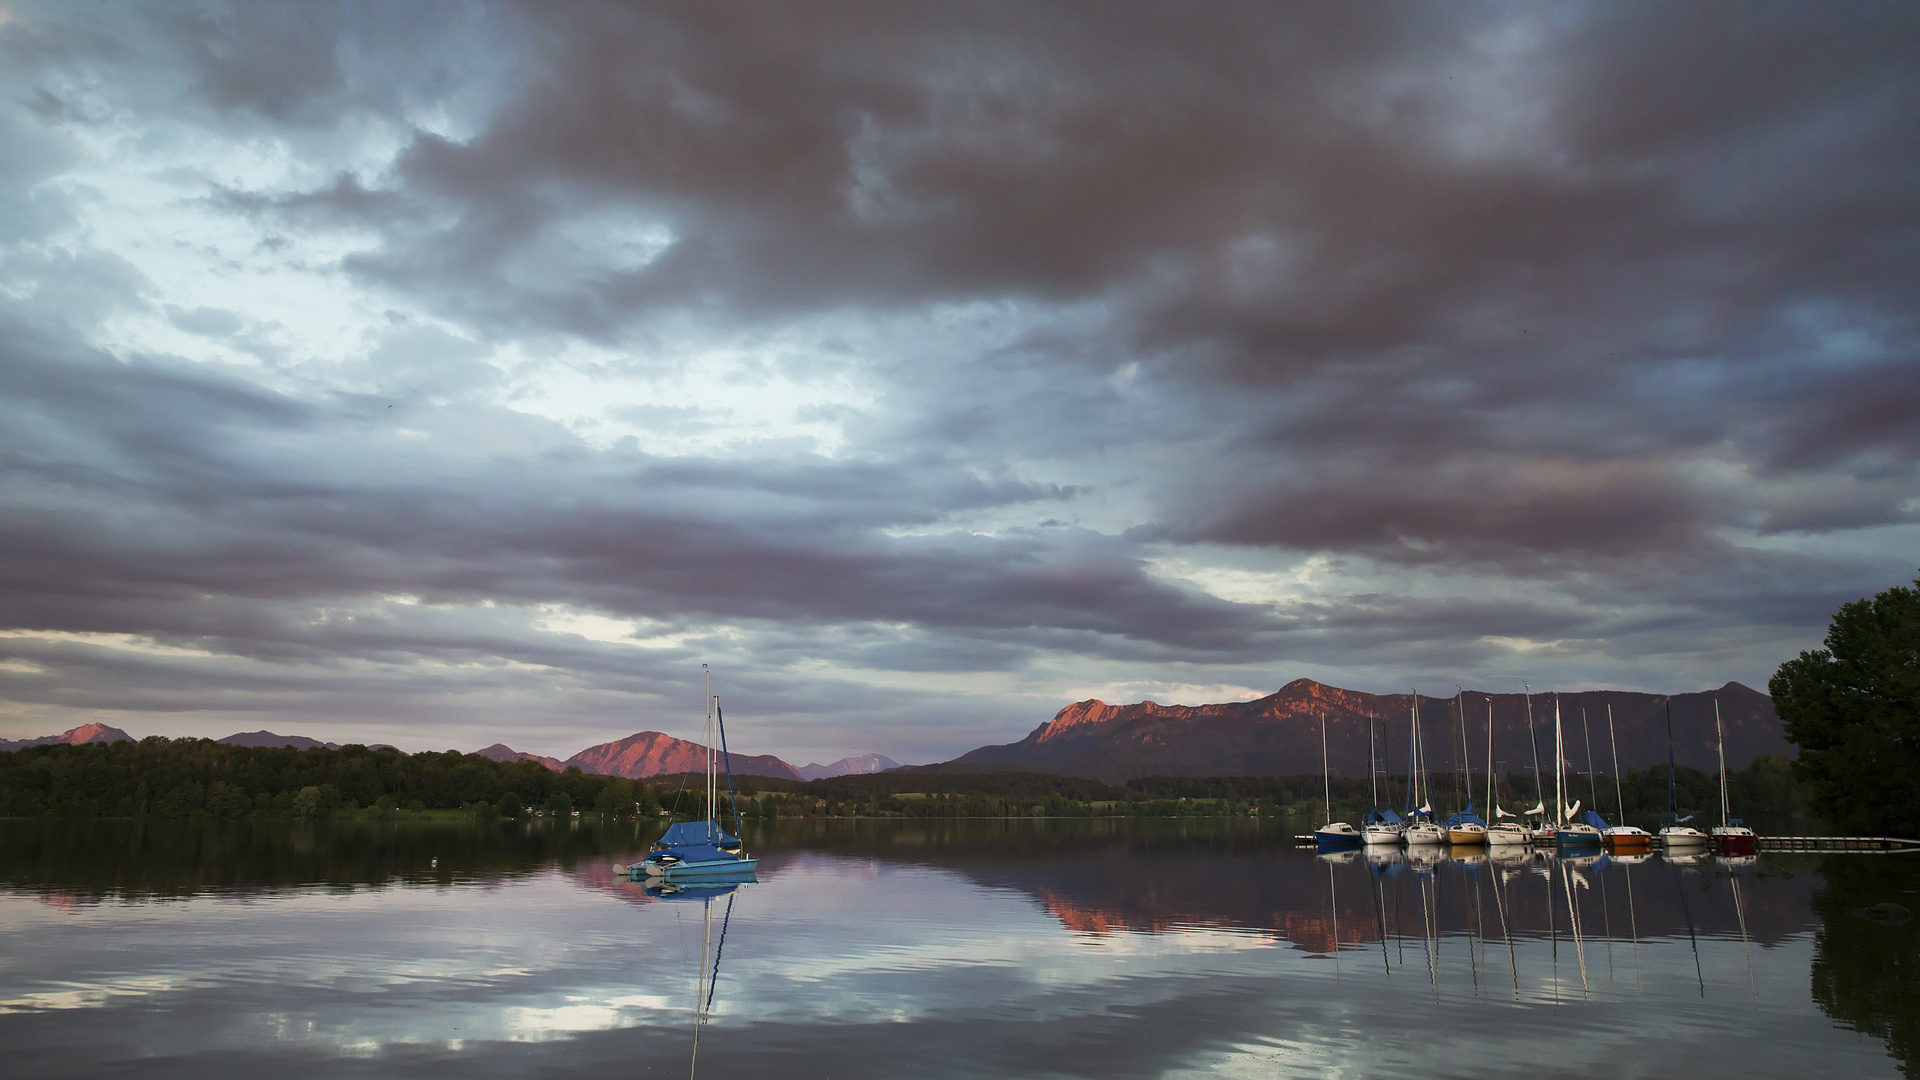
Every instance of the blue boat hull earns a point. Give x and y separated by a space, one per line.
718 870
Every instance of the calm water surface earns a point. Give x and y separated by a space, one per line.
1015 948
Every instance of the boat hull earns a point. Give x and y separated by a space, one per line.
1683 838
1506 837
1732 842
1619 842
1468 836
1426 834
716 870
1577 837
1337 838
1384 834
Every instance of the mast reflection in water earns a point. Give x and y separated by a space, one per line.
871 949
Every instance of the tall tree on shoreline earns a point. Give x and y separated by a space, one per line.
1853 709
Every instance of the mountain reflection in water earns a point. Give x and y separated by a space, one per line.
1020 947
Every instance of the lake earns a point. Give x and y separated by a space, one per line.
1042 948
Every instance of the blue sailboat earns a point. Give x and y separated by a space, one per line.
1334 835
1382 825
1574 832
702 850
1465 827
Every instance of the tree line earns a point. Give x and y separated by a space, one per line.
198 778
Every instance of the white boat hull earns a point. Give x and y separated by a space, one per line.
1426 834
1507 835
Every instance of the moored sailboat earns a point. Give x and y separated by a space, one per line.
1466 827
1676 834
1421 829
1622 839
1500 832
1730 837
1382 825
1334 835
1570 831
702 850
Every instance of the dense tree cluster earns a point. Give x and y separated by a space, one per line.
198 778
1853 709
195 778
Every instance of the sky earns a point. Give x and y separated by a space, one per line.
439 374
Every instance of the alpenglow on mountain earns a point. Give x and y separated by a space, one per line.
1279 734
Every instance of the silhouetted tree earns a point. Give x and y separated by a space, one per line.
1853 709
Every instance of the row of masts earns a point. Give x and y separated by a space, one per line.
1419 781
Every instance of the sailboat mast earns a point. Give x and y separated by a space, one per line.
1533 738
1413 777
1466 756
1586 738
1560 767
1419 757
1721 733
1493 807
1373 774
1669 704
710 771
1619 799
1326 770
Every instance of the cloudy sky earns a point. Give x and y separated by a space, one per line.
444 374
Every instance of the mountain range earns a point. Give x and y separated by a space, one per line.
1280 734
1276 735
85 733
848 766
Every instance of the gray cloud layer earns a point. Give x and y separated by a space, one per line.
1191 350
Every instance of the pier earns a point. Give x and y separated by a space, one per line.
1884 844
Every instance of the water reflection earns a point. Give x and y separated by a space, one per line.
945 948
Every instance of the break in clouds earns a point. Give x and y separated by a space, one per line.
434 375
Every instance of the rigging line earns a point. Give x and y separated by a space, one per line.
728 758
719 947
1333 905
1553 931
1473 962
700 988
1432 972
1380 910
1606 915
1400 926
1506 932
1740 909
1691 936
1573 922
1633 923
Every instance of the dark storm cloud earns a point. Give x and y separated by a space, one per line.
1549 232
218 487
1578 299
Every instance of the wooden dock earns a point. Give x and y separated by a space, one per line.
1884 844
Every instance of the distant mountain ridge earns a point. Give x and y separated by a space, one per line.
1280 734
263 737
503 752
650 753
848 766
85 733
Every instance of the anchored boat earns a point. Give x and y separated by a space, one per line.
702 850
1334 835
1730 837
1676 834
